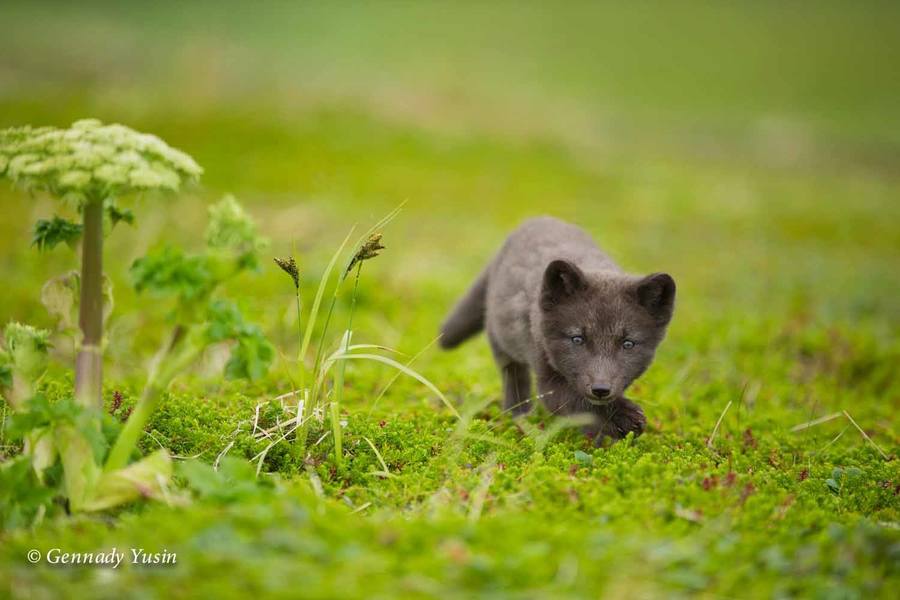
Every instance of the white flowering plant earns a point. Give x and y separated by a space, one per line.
90 166
70 455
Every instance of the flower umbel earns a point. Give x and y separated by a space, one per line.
368 250
289 266
91 160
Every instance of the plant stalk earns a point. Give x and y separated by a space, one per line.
299 328
89 363
173 359
339 376
320 350
303 406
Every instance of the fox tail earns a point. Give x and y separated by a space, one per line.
467 317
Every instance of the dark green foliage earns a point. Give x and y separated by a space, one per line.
49 233
22 496
251 356
118 215
41 413
171 271
233 481
6 374
252 353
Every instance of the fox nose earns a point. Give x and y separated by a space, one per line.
600 391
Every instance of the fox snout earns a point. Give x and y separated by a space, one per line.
598 391
601 391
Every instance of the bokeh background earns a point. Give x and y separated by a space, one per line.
751 149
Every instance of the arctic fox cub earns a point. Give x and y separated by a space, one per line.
552 302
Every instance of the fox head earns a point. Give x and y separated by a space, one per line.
600 334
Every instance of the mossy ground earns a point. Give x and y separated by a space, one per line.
782 232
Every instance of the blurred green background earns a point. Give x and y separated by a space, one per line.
751 149
706 138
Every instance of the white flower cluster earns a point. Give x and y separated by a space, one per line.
91 160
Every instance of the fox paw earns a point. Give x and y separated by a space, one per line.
626 417
617 419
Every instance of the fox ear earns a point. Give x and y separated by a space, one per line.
562 279
656 293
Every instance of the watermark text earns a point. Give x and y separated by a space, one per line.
112 558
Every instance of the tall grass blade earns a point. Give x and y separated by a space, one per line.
385 472
712 436
396 375
406 371
336 402
814 422
866 436
320 292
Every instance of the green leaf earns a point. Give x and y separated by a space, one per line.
41 413
147 478
22 496
200 477
6 368
252 354
28 349
235 479
583 458
118 215
41 447
81 472
60 297
224 321
170 271
87 422
47 234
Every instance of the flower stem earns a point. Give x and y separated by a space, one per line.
299 328
175 356
89 363
299 448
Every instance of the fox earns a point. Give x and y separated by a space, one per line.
552 303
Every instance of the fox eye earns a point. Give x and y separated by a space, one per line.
577 340
628 344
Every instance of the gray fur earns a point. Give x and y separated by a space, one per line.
548 286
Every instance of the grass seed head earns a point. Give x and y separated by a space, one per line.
370 249
289 266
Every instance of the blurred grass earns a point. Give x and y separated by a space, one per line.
708 64
750 149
